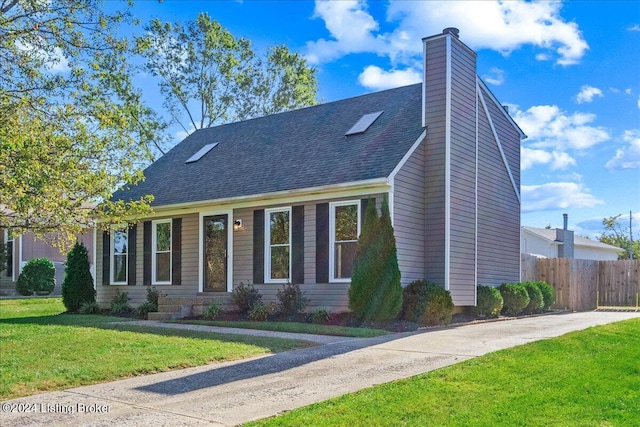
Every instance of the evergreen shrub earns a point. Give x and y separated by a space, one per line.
38 275
516 298
375 292
548 295
77 286
536 300
489 303
427 303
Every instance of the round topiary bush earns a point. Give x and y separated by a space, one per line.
427 303
489 303
38 275
536 301
516 298
548 295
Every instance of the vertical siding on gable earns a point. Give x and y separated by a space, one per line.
409 224
498 206
462 281
435 107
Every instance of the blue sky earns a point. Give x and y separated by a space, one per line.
569 72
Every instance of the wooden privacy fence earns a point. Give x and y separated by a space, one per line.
582 285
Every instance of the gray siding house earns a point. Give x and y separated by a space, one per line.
281 198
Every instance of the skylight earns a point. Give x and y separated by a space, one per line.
204 150
363 124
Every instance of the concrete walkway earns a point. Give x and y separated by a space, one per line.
235 392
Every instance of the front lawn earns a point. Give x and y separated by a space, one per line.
585 378
44 350
295 327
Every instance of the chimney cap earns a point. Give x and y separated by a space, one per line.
452 30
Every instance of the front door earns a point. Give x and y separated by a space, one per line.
215 253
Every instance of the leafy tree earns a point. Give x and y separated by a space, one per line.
376 292
77 287
72 127
617 234
210 77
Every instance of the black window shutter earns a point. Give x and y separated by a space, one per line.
176 251
106 257
146 253
363 208
131 255
322 243
9 249
297 243
258 246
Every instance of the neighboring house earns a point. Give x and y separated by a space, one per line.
281 198
22 248
561 243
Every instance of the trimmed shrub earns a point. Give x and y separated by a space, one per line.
261 311
490 302
77 286
427 303
292 299
536 301
38 275
212 311
548 295
375 292
245 296
320 317
89 308
120 304
516 298
151 304
146 308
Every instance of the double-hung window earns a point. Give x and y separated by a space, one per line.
161 257
344 229
119 255
278 245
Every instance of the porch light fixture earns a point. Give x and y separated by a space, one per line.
237 225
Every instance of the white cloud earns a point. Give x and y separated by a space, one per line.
549 127
376 78
495 76
556 160
587 93
557 195
351 28
634 28
503 26
629 156
52 61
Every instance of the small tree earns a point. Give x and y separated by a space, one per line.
376 292
77 287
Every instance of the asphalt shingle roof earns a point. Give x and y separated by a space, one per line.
293 150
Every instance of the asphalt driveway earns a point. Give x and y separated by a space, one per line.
235 392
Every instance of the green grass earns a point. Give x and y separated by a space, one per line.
44 350
296 327
586 378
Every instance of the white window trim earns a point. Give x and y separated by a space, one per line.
332 236
112 235
267 244
154 252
